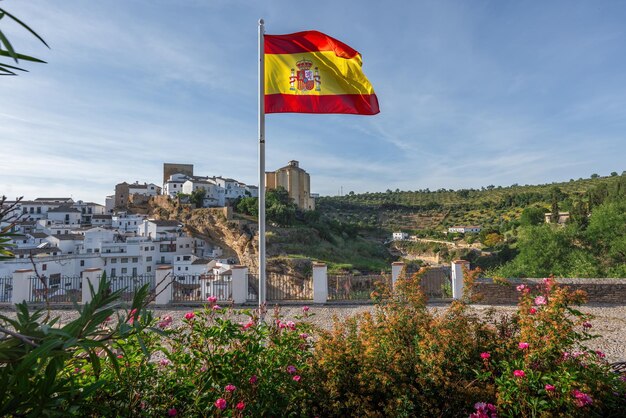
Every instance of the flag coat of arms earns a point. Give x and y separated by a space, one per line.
310 72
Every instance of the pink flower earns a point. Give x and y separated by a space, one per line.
204 369
249 324
581 399
521 287
216 307
240 406
165 322
120 356
132 316
523 346
230 388
253 379
164 362
305 308
291 325
540 300
291 369
190 315
282 325
172 412
600 354
519 373
549 388
212 299
485 355
221 403
296 378
532 311
586 324
304 335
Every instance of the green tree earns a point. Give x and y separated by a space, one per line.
606 233
532 216
197 197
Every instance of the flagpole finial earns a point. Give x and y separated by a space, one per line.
261 22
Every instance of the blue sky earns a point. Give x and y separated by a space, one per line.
472 93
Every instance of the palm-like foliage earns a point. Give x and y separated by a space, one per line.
7 50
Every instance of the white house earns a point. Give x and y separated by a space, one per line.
174 184
400 236
88 210
215 195
146 189
64 215
464 229
102 220
109 204
127 222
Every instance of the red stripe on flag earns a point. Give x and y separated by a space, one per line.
357 104
308 41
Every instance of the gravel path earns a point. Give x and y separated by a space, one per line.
609 322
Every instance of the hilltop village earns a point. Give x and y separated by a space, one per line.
59 236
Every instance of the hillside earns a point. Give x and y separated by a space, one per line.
431 211
349 232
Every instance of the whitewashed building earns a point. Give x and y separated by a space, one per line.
464 229
399 236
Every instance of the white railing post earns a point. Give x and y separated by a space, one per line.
457 278
21 285
396 270
240 284
164 284
320 283
90 276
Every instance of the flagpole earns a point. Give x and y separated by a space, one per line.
262 280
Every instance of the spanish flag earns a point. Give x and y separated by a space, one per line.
310 72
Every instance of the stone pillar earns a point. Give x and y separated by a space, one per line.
164 278
21 285
320 283
92 276
457 278
396 270
240 284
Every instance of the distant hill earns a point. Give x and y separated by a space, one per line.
431 211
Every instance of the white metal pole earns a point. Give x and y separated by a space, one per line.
261 163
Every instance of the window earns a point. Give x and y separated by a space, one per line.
82 263
124 260
135 260
149 269
113 260
178 268
152 248
55 279
124 270
186 268
186 245
44 267
149 258
112 272
39 209
134 271
32 210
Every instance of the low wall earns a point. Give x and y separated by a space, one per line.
611 291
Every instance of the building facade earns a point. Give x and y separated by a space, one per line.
296 181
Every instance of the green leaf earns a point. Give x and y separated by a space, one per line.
8 46
21 56
25 26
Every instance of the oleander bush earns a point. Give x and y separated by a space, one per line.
402 360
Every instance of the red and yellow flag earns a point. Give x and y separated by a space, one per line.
310 72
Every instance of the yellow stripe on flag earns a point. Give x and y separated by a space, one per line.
336 75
